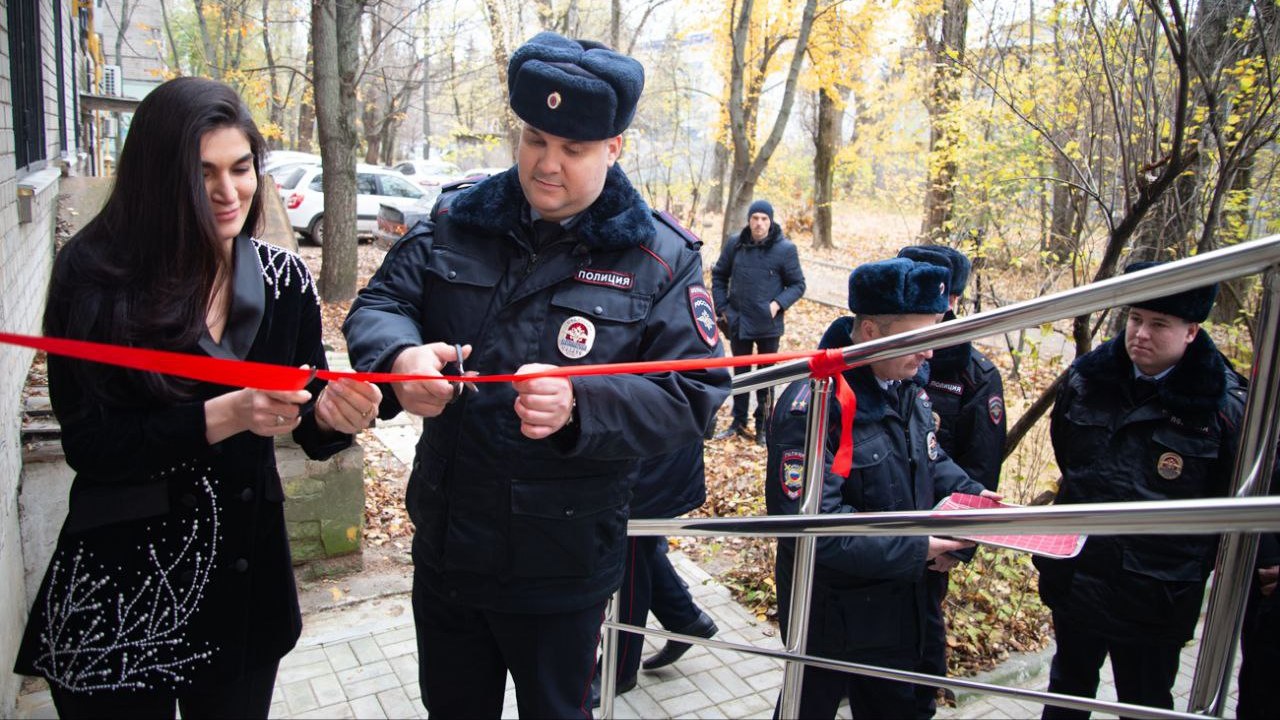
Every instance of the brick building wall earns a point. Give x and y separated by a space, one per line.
26 253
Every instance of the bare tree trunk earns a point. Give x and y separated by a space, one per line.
719 166
335 31
211 64
946 54
497 33
826 141
168 31
746 170
426 85
615 22
1061 245
307 109
276 107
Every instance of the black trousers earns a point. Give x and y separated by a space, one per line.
247 697
742 401
1259 656
1144 673
821 691
464 654
650 584
933 658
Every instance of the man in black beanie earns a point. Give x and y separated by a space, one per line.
756 279
968 409
519 490
870 598
1152 414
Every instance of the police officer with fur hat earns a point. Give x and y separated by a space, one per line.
968 406
1152 414
870 602
519 491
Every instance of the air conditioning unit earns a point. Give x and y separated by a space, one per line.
112 80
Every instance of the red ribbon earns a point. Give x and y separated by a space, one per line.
830 363
265 376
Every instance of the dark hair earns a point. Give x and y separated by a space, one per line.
141 271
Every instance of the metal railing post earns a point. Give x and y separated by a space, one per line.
1237 552
609 656
815 443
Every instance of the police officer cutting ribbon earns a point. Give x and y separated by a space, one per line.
519 492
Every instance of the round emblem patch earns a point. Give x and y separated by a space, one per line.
792 474
933 445
577 335
1169 466
553 100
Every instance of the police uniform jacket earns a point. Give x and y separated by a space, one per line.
869 591
172 569
1116 442
968 399
669 485
505 522
749 275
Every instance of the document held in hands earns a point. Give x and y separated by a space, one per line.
1054 546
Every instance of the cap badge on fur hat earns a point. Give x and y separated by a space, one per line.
574 89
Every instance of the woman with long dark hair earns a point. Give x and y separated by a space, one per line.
171 584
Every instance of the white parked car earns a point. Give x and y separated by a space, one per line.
431 175
484 171
304 198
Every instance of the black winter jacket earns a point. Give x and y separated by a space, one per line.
505 522
1112 445
669 485
749 275
869 591
968 398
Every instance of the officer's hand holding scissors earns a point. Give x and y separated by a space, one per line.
426 398
544 405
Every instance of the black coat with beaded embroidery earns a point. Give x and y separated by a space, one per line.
1116 443
172 569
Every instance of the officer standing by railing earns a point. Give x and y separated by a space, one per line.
519 490
968 410
870 602
1152 414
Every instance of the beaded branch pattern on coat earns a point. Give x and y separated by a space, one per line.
280 267
136 639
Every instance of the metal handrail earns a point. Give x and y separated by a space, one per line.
1243 259
1205 516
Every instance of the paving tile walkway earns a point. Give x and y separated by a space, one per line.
361 661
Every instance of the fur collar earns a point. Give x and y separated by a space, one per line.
617 220
1195 388
872 402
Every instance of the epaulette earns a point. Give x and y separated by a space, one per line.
462 184
689 238
984 363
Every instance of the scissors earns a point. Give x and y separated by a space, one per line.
459 388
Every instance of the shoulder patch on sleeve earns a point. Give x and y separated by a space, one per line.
791 473
689 238
703 310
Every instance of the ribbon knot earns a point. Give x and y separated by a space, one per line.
830 363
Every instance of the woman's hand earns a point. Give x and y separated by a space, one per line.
347 406
263 412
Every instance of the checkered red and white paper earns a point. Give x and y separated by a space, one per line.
1055 546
